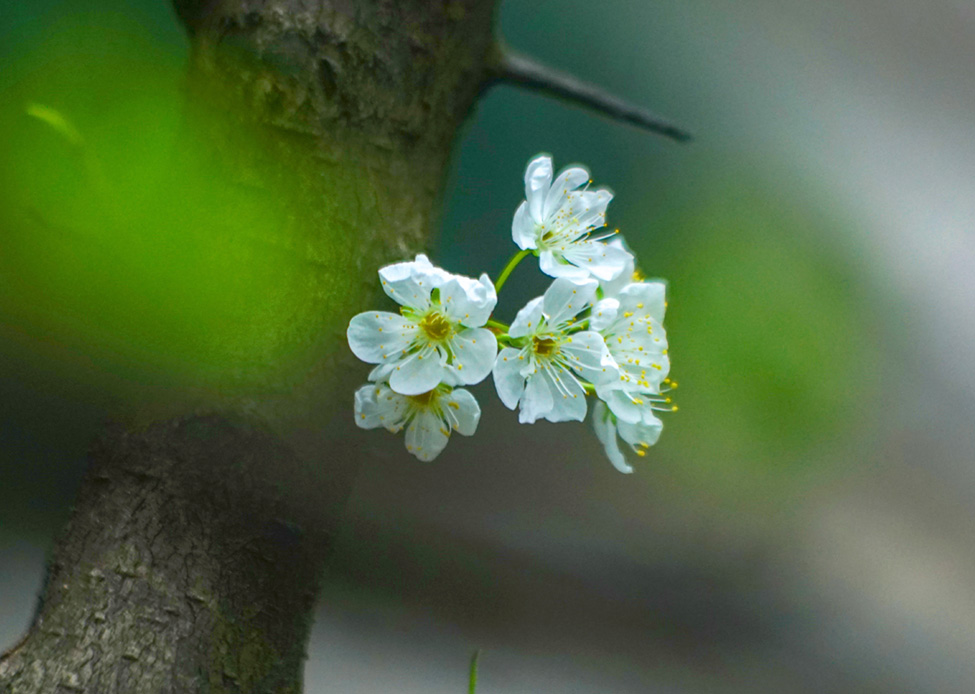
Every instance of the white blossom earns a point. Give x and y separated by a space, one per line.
542 374
556 220
429 417
639 435
436 338
631 322
632 325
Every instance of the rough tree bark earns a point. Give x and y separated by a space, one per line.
194 553
193 556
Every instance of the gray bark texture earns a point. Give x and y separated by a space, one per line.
187 566
193 556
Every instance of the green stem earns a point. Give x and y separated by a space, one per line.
472 682
512 264
497 324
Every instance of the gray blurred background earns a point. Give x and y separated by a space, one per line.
805 523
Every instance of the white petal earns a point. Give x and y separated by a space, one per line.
613 287
378 406
524 230
566 298
605 428
474 350
604 314
538 399
366 408
418 373
649 373
538 180
603 261
376 336
469 301
426 436
581 212
528 318
641 434
645 299
508 380
588 356
406 283
568 397
382 371
463 409
564 185
589 208
552 265
621 403
639 346
422 267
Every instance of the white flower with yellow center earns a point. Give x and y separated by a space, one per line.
639 435
557 219
429 417
544 372
436 338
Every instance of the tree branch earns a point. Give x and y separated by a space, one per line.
521 70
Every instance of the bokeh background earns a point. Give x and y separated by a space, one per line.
805 523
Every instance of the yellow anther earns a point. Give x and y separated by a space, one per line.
424 399
436 326
544 346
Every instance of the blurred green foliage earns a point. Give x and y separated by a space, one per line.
120 239
769 337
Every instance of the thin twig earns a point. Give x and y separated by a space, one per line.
522 70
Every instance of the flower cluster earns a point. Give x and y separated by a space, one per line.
597 331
